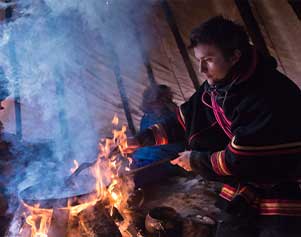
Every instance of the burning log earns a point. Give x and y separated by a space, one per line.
93 221
59 221
81 208
29 222
16 225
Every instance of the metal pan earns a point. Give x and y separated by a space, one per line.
58 194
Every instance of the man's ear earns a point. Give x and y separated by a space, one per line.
235 57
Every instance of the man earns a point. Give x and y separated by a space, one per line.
242 127
158 106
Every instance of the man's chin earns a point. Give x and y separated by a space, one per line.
210 81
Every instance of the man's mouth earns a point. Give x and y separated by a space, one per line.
208 76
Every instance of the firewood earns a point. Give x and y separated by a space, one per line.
59 223
18 224
93 221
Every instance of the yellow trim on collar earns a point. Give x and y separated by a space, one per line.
270 147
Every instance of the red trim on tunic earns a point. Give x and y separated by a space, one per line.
193 136
198 133
159 134
219 113
280 207
228 122
218 163
247 194
227 192
266 207
220 117
226 196
180 119
204 101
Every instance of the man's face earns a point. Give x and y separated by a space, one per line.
212 62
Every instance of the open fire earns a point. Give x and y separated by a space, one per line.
109 194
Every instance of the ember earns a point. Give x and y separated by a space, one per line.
39 219
109 193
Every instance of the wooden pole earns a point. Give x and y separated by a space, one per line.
245 10
181 45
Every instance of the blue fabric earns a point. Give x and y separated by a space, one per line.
150 118
147 155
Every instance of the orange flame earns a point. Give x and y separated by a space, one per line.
115 120
111 162
39 219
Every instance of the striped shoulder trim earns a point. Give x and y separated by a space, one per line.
285 148
271 147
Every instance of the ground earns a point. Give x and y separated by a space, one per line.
191 197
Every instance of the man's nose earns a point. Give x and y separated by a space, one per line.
203 67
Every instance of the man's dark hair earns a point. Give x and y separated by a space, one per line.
222 33
156 96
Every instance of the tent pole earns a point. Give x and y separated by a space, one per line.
60 93
16 84
245 11
121 87
181 45
296 5
17 99
145 55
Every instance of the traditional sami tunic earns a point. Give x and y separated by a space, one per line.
248 129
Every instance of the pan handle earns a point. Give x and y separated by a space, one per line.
86 165
82 167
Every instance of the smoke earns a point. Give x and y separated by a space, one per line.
44 51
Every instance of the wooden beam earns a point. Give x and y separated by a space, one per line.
180 43
121 87
245 10
61 101
9 12
114 64
144 54
296 5
15 64
16 84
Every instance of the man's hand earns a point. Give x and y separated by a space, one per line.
132 145
183 160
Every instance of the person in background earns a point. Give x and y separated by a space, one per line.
242 128
157 105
